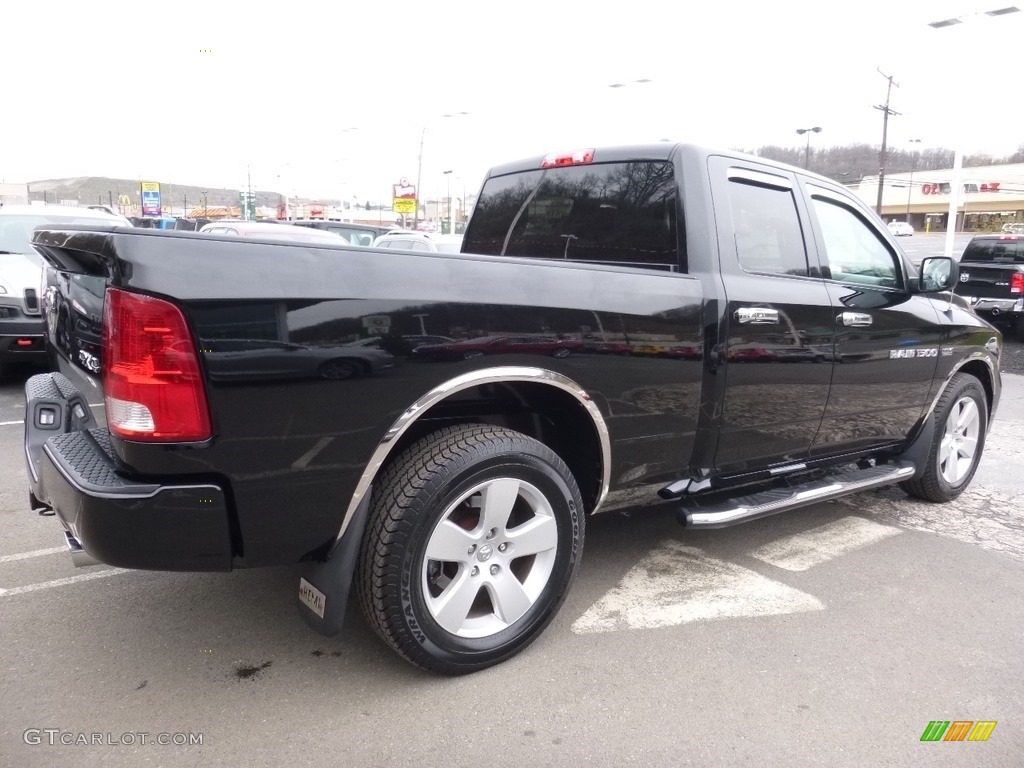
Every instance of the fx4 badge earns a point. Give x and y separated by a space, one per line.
895 354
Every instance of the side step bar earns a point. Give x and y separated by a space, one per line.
765 503
79 557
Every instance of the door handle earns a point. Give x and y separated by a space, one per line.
757 316
854 319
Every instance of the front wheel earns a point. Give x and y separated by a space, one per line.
474 534
961 421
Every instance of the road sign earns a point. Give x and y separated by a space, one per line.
151 198
403 197
248 205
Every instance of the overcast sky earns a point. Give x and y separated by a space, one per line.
329 98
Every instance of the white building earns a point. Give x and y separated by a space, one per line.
13 194
990 197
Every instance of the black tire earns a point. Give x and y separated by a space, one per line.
423 499
1018 328
947 472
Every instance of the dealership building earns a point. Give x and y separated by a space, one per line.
990 197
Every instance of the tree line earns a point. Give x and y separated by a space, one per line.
849 164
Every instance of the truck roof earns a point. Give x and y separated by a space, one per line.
633 152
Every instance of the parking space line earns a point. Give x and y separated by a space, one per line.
805 550
675 584
34 553
61 582
11 423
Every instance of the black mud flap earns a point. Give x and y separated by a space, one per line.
53 406
324 586
919 448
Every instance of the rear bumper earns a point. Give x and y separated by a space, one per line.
116 520
22 339
1003 309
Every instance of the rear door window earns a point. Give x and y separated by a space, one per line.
608 213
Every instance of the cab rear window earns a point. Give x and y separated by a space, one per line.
612 213
1008 250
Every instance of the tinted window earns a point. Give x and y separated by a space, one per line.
612 213
1007 251
855 253
767 229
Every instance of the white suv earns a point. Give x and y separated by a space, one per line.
420 241
22 326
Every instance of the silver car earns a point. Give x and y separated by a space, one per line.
22 325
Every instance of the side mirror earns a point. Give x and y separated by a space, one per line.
938 273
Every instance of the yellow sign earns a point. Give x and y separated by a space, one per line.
403 205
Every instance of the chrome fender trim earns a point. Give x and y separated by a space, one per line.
475 378
993 373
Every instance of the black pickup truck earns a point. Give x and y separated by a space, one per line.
626 326
992 279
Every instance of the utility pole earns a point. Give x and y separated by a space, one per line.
250 204
886 111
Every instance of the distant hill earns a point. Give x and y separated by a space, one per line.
89 190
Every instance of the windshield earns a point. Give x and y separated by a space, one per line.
16 229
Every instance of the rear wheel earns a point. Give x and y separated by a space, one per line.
1018 328
473 538
337 370
961 420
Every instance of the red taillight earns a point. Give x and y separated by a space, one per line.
576 157
1017 283
24 342
152 384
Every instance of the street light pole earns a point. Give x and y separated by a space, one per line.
958 158
419 167
913 167
419 179
448 176
807 147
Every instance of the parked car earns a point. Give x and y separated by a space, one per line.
1013 228
356 234
249 360
267 230
22 325
420 241
498 345
900 228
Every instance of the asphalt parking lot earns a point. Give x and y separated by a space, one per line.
832 635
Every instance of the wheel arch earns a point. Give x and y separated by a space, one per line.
980 367
540 403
